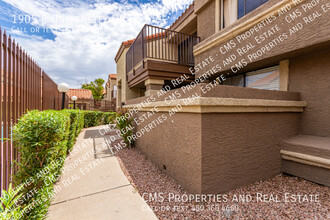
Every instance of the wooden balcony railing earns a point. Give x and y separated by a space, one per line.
161 44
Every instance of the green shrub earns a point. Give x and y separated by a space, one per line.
125 126
81 122
93 118
42 140
8 205
74 124
109 117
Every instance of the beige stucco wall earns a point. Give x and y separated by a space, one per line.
309 75
124 93
206 21
108 97
110 88
302 57
176 147
204 152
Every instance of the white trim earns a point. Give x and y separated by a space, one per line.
306 159
223 105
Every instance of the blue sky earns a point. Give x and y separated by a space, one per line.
76 41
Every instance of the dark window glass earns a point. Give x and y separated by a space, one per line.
238 81
250 5
235 81
227 82
246 6
241 8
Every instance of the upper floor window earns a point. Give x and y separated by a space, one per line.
267 78
246 6
114 91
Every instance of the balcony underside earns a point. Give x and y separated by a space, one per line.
157 69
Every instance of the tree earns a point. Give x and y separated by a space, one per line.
96 87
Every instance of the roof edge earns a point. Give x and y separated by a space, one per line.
123 45
183 16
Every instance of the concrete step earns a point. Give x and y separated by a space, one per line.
307 157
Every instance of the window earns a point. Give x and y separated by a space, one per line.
228 13
267 78
237 80
246 6
115 91
264 79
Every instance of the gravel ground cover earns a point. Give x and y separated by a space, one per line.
276 198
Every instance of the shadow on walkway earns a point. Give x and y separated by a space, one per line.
96 132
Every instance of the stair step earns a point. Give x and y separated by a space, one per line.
310 145
307 157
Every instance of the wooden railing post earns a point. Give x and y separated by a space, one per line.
142 44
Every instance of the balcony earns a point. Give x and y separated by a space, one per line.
159 53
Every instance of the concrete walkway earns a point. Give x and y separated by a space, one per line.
93 185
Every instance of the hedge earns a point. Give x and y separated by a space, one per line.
44 138
124 124
109 117
81 122
77 123
73 128
93 118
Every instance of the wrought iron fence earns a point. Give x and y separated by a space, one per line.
23 86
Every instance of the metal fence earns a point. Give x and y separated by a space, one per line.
23 86
161 44
51 97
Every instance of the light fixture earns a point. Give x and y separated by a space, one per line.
63 88
74 99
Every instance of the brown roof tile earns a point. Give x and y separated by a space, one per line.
80 93
123 45
113 76
128 42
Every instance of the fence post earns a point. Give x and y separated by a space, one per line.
1 109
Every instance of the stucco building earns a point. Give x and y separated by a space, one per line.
124 93
245 92
85 99
110 96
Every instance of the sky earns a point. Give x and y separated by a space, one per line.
76 41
